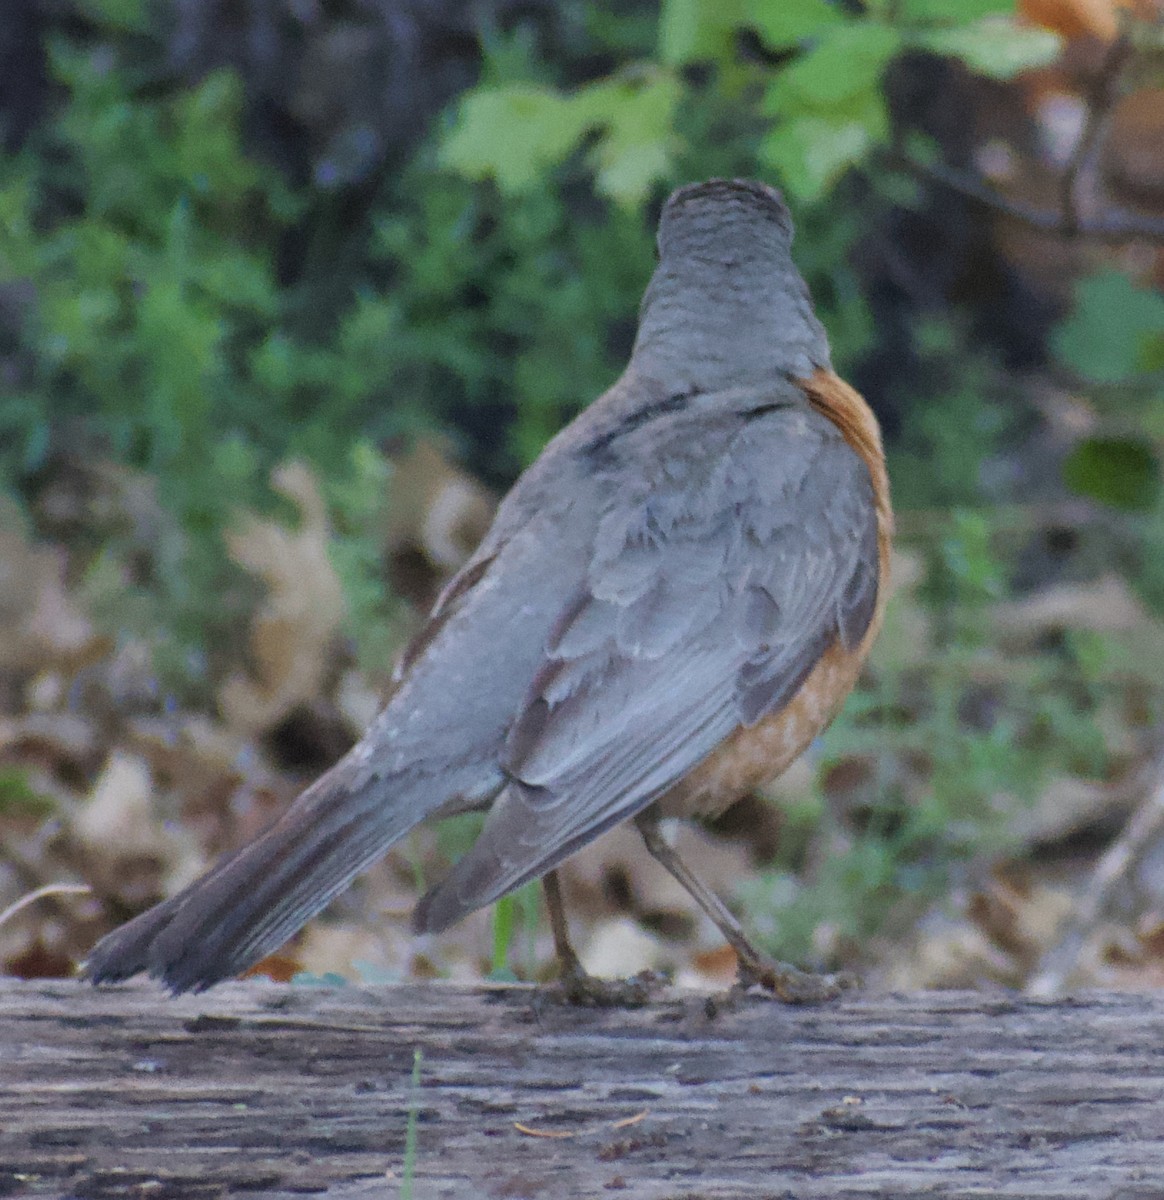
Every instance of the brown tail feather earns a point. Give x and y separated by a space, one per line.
256 898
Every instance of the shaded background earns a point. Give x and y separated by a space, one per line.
291 290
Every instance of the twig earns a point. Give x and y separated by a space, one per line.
1142 833
1100 98
1115 225
49 889
1008 520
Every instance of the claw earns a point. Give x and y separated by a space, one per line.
791 985
589 991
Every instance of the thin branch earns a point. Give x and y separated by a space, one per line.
49 889
1100 99
1140 837
1114 226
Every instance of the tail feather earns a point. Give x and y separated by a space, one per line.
257 897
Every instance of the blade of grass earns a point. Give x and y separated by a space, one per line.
504 921
409 1168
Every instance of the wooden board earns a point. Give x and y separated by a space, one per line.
281 1091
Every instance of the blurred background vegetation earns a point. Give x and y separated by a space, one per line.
291 289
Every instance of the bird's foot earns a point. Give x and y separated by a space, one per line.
588 991
790 984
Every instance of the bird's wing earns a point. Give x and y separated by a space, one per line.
435 746
727 560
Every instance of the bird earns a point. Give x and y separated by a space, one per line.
671 603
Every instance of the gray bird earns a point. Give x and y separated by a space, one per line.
672 602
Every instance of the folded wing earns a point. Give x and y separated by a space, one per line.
717 578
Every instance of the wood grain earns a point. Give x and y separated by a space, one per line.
278 1091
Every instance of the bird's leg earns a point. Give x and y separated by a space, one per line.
786 982
580 986
569 963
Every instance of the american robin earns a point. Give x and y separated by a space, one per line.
673 600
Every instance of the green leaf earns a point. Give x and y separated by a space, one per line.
120 16
697 30
943 12
844 64
1122 472
995 46
1152 352
830 107
503 927
635 149
810 153
20 798
513 134
1114 331
785 23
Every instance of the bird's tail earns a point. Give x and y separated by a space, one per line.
257 897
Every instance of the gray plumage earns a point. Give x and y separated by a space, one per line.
670 568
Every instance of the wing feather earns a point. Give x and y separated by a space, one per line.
711 593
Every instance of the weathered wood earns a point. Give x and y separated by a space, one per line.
278 1091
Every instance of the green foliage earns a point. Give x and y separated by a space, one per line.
1114 340
832 108
1122 472
786 26
1114 332
539 348
145 236
944 451
993 46
943 12
146 294
516 134
825 106
19 796
517 913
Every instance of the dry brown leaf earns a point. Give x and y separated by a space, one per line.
1022 916
946 952
294 632
118 816
1106 605
38 961
1131 150
434 518
40 624
59 742
715 968
193 751
281 968
437 507
357 701
1067 804
619 948
335 946
1083 18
